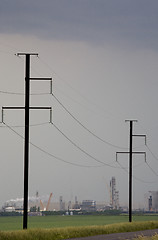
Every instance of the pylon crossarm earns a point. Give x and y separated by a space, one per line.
144 153
140 135
13 108
132 153
41 79
31 108
24 54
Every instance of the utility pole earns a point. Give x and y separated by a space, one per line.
26 147
130 169
130 162
27 119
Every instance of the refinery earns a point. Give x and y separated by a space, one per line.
38 205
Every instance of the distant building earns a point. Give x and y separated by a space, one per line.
114 195
153 201
150 203
9 209
62 204
88 205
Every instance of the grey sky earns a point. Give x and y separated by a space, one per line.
83 20
103 57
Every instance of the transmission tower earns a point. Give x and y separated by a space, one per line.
130 162
27 108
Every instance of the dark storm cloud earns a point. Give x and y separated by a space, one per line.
87 20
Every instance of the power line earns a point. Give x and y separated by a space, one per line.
89 155
82 125
138 179
31 125
156 158
70 86
152 169
63 80
50 154
13 93
75 90
79 122
81 104
19 93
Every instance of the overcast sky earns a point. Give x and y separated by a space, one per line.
103 57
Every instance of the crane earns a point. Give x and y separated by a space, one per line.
42 206
48 203
110 193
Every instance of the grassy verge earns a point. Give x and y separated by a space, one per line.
72 232
154 237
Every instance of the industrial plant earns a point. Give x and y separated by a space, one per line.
38 205
41 204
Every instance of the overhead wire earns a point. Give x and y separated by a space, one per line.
70 86
83 126
147 146
14 93
108 143
63 80
89 155
156 174
22 126
75 90
80 104
138 179
85 152
79 122
50 154
18 93
154 156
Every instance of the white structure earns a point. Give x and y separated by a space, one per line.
9 209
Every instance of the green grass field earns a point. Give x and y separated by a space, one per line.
79 231
15 223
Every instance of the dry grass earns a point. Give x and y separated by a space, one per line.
72 232
154 237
